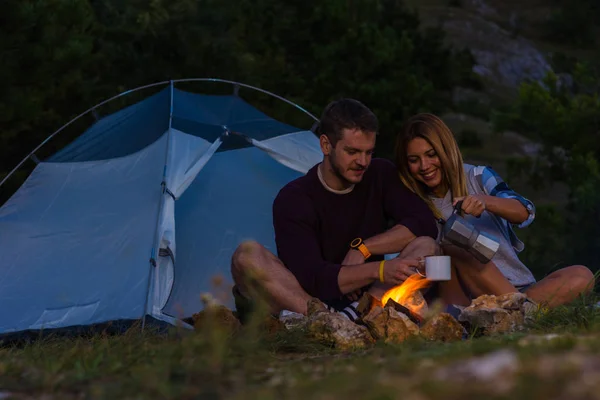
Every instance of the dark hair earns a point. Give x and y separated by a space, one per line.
346 114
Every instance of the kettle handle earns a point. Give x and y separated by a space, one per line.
458 207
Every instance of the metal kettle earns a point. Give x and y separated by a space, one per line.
459 232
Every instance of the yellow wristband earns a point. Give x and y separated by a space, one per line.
381 270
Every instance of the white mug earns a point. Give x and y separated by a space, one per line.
437 268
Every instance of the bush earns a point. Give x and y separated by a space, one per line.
67 56
469 138
574 23
568 127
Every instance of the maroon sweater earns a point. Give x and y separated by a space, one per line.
314 227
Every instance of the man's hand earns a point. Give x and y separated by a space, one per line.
472 204
353 257
396 271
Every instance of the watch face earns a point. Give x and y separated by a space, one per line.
356 242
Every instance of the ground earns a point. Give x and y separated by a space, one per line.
556 357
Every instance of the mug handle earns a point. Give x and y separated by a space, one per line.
421 262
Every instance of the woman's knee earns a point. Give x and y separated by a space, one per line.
577 278
582 276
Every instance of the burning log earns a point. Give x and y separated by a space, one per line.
414 317
334 329
443 327
497 314
409 295
366 303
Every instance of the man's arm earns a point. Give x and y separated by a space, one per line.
391 241
412 216
298 248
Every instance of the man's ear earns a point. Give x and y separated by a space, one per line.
326 146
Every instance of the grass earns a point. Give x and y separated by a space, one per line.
214 362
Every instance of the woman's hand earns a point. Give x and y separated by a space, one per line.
472 204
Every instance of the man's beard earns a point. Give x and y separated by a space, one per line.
338 171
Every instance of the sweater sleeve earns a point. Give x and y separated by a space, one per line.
295 223
405 207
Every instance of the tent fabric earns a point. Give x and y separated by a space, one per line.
75 242
206 116
138 214
124 132
243 185
187 156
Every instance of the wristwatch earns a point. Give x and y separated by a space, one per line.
359 245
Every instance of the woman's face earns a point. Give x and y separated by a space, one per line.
423 163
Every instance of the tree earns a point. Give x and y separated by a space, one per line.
60 57
566 122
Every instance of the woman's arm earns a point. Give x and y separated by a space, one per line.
499 199
510 209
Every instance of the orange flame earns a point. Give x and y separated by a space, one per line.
402 293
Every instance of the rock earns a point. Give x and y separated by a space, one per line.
511 60
376 320
443 327
389 325
335 329
216 315
271 325
366 303
508 301
399 327
315 306
496 314
292 320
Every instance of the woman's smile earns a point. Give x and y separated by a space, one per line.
429 176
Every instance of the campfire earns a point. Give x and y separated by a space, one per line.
408 296
401 314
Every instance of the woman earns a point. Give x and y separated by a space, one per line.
430 164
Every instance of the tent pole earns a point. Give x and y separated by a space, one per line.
249 87
156 240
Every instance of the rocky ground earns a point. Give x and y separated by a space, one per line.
555 355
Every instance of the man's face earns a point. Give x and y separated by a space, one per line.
351 155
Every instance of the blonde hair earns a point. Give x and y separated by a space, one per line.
438 135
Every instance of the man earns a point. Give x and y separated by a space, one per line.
330 225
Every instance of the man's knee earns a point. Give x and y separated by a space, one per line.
246 257
425 246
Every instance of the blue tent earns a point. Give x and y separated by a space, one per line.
139 213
